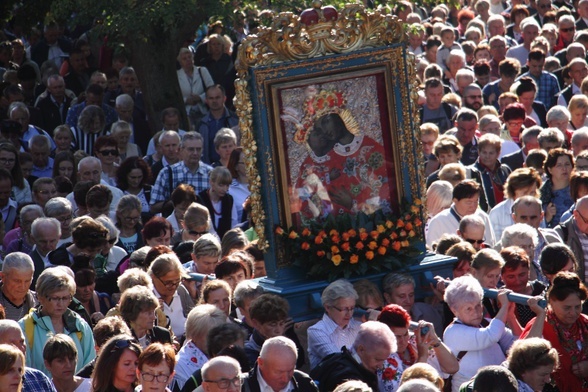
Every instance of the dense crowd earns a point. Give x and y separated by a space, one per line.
128 260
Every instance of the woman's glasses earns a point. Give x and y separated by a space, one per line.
161 378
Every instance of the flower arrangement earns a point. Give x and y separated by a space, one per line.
359 244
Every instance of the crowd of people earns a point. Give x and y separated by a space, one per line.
129 263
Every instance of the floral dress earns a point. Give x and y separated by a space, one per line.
190 359
389 377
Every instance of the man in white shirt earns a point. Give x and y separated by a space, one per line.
529 31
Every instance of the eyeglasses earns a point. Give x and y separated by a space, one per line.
224 383
581 216
169 284
194 232
63 219
114 153
132 218
476 242
5 161
121 344
46 192
345 310
161 378
55 300
568 30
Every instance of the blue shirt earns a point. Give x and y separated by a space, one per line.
161 191
547 88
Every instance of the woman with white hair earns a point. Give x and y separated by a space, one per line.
194 353
439 197
474 340
527 238
337 328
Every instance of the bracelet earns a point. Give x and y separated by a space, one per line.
436 344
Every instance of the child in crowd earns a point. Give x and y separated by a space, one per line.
448 40
223 210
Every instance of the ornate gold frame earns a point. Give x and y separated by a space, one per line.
290 45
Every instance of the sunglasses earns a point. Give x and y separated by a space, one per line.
194 232
114 153
568 30
121 344
476 242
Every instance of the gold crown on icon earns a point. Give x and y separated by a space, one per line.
318 21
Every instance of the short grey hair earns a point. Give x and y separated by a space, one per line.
558 113
418 384
338 289
173 134
191 136
439 196
120 126
470 220
277 343
463 289
18 106
247 289
396 279
138 256
580 135
374 334
88 161
353 386
8 325
518 230
202 319
32 208
133 277
106 222
550 135
18 261
124 100
164 264
52 223
40 140
54 279
58 206
219 361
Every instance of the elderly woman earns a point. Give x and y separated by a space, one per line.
455 62
156 368
526 238
532 361
474 340
12 368
137 307
116 366
521 182
90 126
55 289
218 293
89 238
337 328
60 209
564 326
559 117
121 132
61 355
106 150
412 348
193 83
555 192
133 178
557 257
166 274
194 353
489 172
439 197
128 221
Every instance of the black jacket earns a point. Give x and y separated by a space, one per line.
302 382
337 368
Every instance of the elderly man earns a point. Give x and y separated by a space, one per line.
529 142
127 111
471 229
578 70
222 374
60 209
497 28
40 149
169 142
219 116
275 369
128 84
191 170
15 293
45 235
170 119
33 379
54 106
90 169
566 28
529 31
580 141
574 233
372 346
19 112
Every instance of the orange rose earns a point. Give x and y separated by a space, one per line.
374 234
305 246
389 224
336 260
408 226
345 246
336 239
320 253
322 234
369 255
418 222
345 236
381 229
385 242
354 259
305 232
411 233
352 233
293 235
382 250
333 232
359 245
279 230
396 246
318 240
372 245
407 217
334 249
363 236
400 223
405 244
393 235
402 233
